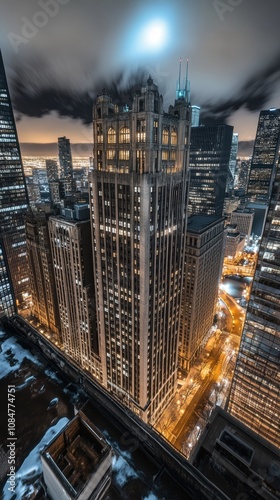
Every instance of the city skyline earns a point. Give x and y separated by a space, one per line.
54 76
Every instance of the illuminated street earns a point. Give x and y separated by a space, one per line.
208 381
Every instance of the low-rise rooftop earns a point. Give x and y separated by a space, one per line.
199 223
237 459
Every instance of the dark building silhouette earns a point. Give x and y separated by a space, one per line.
14 279
210 149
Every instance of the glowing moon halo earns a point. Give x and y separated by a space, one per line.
154 35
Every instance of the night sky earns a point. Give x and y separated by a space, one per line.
81 46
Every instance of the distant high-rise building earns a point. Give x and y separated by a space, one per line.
56 192
138 204
14 281
40 177
195 116
242 174
255 391
265 156
234 241
70 238
209 165
52 170
232 162
65 162
202 272
243 218
42 285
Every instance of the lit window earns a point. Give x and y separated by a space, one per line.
174 138
112 136
111 154
124 135
165 136
123 155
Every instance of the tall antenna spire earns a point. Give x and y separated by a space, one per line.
187 84
183 87
180 68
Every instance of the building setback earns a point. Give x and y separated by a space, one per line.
202 272
14 281
72 260
265 156
138 203
255 392
209 166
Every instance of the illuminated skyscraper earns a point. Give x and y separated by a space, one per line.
255 392
65 163
13 204
138 203
42 285
202 271
209 166
52 170
265 156
70 238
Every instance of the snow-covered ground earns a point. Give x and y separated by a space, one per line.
39 381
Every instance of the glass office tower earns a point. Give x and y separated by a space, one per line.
209 167
14 279
255 392
265 156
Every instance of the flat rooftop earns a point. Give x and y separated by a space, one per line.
76 453
233 456
201 222
243 211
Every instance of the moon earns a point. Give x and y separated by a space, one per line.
154 35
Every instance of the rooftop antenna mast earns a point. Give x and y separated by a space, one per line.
187 84
178 91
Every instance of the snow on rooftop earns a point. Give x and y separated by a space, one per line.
31 468
123 470
26 383
12 355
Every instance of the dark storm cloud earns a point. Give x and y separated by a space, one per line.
83 47
34 101
252 96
